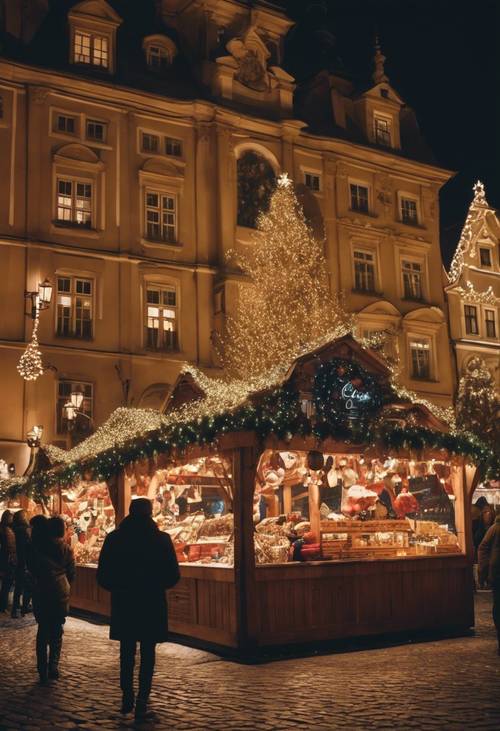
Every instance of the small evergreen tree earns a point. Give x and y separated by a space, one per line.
477 403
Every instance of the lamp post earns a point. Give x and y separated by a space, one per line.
72 411
30 365
40 299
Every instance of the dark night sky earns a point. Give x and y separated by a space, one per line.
442 57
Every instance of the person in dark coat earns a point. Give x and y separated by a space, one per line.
137 564
52 567
489 568
22 532
8 558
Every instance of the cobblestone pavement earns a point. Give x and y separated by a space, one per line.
452 684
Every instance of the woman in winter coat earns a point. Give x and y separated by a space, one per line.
22 532
52 567
8 558
137 564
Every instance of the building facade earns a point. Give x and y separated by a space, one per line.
473 290
138 141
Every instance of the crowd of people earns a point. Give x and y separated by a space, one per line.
137 564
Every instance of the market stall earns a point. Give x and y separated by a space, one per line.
300 536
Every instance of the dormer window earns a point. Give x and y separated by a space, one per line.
382 131
160 51
93 25
91 49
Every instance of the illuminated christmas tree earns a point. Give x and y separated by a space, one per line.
477 403
286 307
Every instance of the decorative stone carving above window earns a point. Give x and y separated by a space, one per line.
248 64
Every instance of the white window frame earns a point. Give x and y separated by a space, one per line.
421 263
161 193
403 195
359 184
73 295
95 140
93 35
313 174
490 308
389 120
56 114
373 252
74 180
76 384
477 318
161 287
421 338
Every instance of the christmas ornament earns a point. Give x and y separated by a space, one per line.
30 365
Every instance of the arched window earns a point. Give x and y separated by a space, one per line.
256 182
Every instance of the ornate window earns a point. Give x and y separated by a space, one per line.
364 271
256 183
471 323
420 351
91 48
74 202
412 280
161 216
359 198
74 307
161 315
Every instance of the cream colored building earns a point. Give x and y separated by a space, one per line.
134 153
473 288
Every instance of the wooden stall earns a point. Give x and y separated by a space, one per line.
306 540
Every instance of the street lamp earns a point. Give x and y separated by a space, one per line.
40 299
33 439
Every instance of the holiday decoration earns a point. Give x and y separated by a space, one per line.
471 296
30 365
286 308
473 225
477 402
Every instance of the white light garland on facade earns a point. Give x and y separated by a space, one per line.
30 365
470 295
477 210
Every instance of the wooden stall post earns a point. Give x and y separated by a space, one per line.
245 466
124 493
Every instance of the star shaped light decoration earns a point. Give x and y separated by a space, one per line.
284 181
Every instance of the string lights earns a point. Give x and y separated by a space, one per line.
30 365
473 226
472 296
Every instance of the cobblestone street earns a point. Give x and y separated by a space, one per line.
452 684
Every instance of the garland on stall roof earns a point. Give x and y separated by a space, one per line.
278 413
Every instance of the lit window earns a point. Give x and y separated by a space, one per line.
150 143
312 181
471 324
409 213
173 147
74 203
91 48
359 198
420 358
412 280
364 271
74 307
157 57
96 130
382 131
66 124
485 257
489 318
161 217
161 317
64 391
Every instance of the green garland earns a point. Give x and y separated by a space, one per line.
278 413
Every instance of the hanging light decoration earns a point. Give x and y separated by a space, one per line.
30 365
